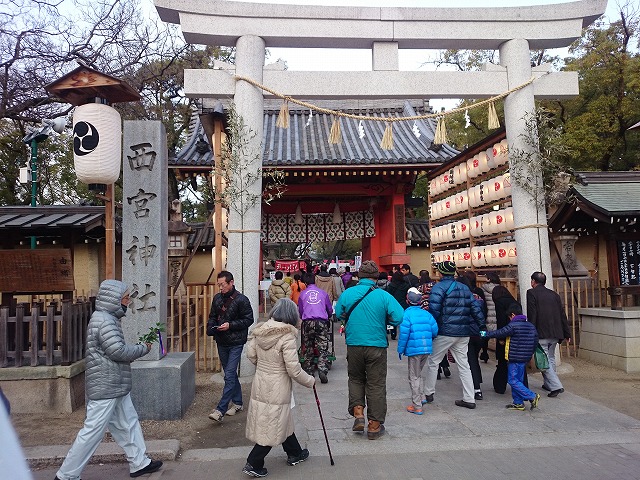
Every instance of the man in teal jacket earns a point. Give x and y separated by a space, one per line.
365 320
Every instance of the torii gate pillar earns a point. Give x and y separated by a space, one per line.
244 230
532 239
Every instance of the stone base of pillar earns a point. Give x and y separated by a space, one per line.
164 389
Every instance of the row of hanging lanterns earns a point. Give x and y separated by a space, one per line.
492 223
486 192
479 164
495 255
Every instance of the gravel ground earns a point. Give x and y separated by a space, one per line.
612 388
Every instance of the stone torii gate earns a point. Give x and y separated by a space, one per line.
514 31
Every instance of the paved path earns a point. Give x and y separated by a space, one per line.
567 437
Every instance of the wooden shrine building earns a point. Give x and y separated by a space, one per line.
350 190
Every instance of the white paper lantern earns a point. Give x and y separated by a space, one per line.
482 196
491 255
508 215
503 255
464 257
443 184
512 253
474 226
501 153
432 187
224 257
506 185
461 174
500 222
449 204
97 143
485 225
453 234
473 167
477 256
462 228
483 162
494 227
496 191
491 161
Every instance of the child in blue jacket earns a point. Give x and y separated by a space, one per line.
522 338
417 330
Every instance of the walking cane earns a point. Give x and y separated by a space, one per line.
322 422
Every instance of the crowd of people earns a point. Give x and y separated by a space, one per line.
439 322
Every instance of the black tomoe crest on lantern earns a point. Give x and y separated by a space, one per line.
85 138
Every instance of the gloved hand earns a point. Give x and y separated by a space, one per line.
483 333
400 356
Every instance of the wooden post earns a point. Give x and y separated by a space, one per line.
110 237
217 222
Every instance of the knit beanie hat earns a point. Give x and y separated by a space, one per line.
368 269
447 268
414 296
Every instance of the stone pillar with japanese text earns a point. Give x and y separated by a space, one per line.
163 386
145 216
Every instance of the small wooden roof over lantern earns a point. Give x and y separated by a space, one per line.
81 85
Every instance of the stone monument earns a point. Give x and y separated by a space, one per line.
163 385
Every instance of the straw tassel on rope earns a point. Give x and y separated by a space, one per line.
387 138
283 116
440 137
494 122
335 136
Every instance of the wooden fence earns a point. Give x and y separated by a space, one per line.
32 334
187 317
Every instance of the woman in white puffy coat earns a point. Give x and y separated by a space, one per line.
272 347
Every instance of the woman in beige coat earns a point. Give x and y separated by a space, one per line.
272 347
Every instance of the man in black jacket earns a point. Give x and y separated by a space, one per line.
230 317
545 311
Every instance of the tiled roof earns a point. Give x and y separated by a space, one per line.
206 236
51 216
197 151
419 228
301 145
614 193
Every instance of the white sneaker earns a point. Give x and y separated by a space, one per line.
233 409
216 416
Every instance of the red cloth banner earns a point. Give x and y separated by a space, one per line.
288 265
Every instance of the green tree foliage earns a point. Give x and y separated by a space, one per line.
595 123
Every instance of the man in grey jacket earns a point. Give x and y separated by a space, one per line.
108 387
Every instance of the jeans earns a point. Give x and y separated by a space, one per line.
550 376
230 358
120 417
458 347
291 447
519 392
475 345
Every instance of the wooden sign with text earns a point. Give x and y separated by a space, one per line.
30 271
